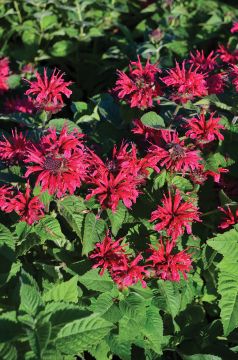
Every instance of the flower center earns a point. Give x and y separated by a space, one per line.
176 151
52 163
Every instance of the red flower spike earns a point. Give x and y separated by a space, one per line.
202 62
17 104
186 84
173 154
140 86
13 150
4 74
175 215
117 179
29 209
226 56
109 255
230 219
168 266
204 131
47 92
60 162
131 275
234 28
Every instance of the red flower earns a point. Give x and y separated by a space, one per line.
149 134
230 219
29 209
226 56
60 162
17 104
202 62
4 73
6 194
175 215
186 84
117 179
14 149
131 275
173 154
109 255
234 74
216 83
168 266
140 86
47 93
234 27
205 131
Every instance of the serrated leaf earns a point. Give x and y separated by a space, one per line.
153 329
49 228
82 334
153 120
92 229
72 208
66 291
182 183
117 218
171 297
93 281
29 295
60 123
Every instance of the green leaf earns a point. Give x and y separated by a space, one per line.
58 124
14 81
171 297
66 291
182 183
201 357
93 281
39 338
81 335
92 230
153 329
62 48
117 218
49 228
8 352
226 244
72 208
153 120
30 296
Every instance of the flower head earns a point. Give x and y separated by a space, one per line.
30 209
4 74
109 255
140 86
234 75
226 56
216 83
168 266
14 148
131 275
230 219
234 28
202 62
173 154
118 178
175 215
17 104
47 92
59 162
203 130
186 84
6 194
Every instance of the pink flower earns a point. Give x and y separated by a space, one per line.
216 83
6 194
109 255
234 28
140 87
131 275
205 131
202 62
29 209
13 150
168 266
118 178
234 75
17 104
149 134
186 84
47 93
230 219
226 56
173 154
59 160
4 74
175 215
